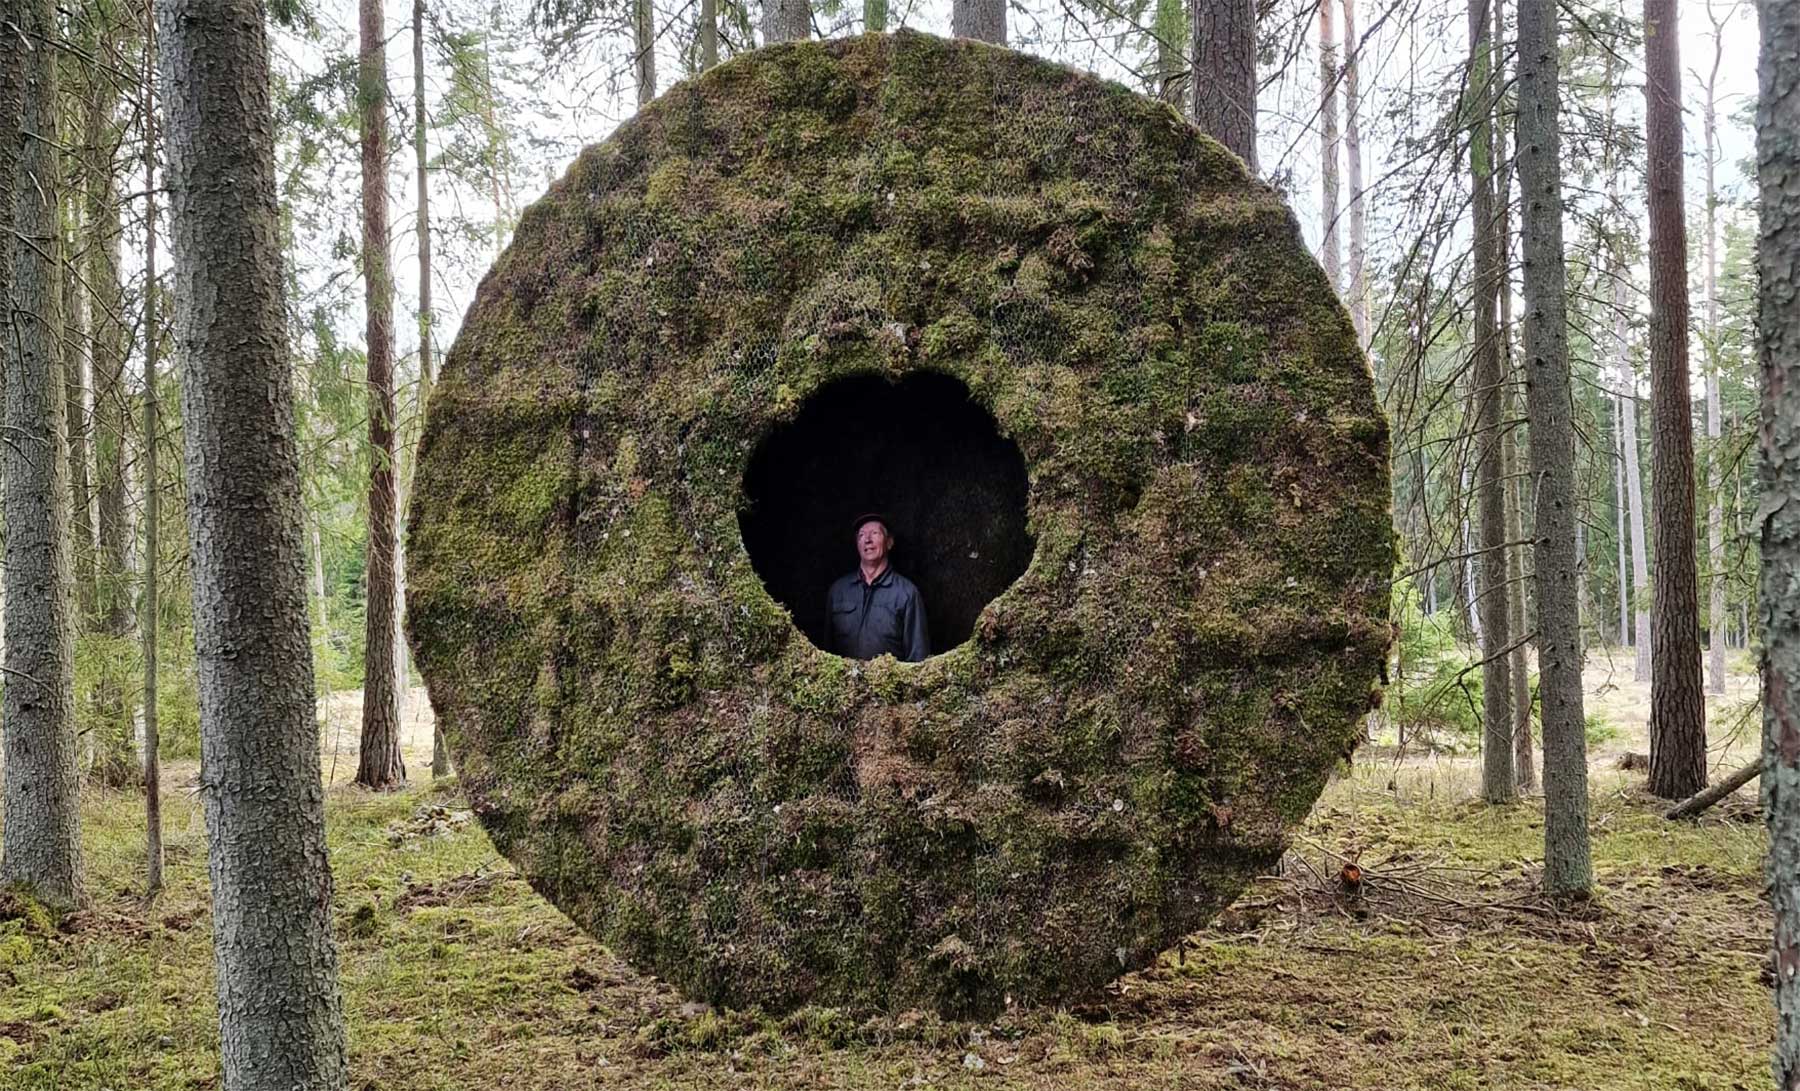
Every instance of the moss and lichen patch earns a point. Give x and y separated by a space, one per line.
1135 723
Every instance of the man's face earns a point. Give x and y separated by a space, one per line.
872 542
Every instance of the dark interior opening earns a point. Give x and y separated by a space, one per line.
920 451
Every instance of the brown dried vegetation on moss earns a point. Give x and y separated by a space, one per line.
1135 722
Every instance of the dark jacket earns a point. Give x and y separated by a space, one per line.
886 617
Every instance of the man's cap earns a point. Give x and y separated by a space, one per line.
872 517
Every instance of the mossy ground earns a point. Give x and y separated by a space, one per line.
456 975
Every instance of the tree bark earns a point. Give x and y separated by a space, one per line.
280 1016
153 843
709 29
1328 147
1703 800
75 376
40 844
1359 246
440 754
1677 703
1498 783
1624 585
983 20
1715 514
786 21
116 759
875 17
1224 73
1568 871
643 49
379 764
1516 492
1778 350
1643 640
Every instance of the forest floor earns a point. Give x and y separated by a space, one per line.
1450 972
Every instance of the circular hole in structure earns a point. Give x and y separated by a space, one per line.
920 451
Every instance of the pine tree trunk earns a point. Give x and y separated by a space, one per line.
983 20
1715 514
280 1016
1778 347
643 49
786 21
1677 702
1328 147
1619 512
1224 73
1498 783
40 843
153 843
440 755
1359 245
379 764
1568 871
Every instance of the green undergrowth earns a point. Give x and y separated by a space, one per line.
1449 973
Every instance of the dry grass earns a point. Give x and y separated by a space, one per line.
1448 971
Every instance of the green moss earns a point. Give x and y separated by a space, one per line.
1135 722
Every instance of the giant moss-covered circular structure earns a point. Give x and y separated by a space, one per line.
1133 722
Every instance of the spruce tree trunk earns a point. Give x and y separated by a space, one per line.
40 844
1778 348
1498 783
1359 244
379 764
786 21
280 1017
1715 514
116 759
75 378
153 844
1516 493
983 20
1643 641
1568 871
1328 147
1224 73
1677 701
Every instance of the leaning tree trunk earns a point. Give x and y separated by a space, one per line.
786 21
983 20
280 1016
1328 147
1359 231
1677 701
1778 346
379 764
40 844
1224 73
1549 404
1497 776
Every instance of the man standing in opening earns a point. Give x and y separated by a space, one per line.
875 610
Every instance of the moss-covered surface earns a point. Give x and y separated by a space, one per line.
1136 722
